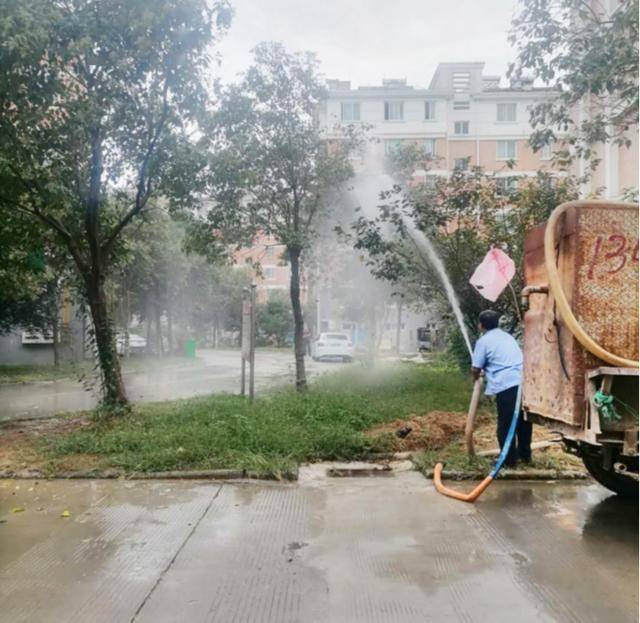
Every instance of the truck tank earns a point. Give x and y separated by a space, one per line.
586 388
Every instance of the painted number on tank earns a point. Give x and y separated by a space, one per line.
612 251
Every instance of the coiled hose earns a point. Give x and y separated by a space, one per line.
571 323
556 287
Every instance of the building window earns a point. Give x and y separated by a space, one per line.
393 111
506 185
546 152
506 112
429 111
430 147
269 272
461 164
350 111
506 150
391 146
461 105
461 127
461 81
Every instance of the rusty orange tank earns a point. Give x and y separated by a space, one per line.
591 401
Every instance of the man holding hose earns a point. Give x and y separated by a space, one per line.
499 356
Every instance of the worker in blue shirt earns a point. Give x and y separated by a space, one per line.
499 356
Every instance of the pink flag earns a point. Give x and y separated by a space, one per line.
493 274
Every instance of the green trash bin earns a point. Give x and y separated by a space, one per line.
190 349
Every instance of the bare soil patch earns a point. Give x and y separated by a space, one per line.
19 448
444 431
422 432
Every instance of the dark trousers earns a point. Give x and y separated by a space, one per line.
505 404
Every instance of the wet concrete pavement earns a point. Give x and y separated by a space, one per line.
214 371
374 550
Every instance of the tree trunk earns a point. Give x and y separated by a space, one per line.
158 317
113 385
170 330
398 327
55 331
127 317
298 320
148 319
54 320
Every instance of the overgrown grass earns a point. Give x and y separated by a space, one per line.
274 433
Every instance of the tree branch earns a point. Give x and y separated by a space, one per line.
143 191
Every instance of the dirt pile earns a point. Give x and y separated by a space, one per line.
422 432
18 440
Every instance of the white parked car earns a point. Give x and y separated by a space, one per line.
332 346
137 344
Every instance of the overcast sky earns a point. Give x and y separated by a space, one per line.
367 40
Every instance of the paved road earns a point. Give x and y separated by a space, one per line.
370 550
213 371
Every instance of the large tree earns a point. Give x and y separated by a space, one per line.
587 52
97 102
273 171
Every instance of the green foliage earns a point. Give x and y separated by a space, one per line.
580 49
31 266
275 320
271 168
277 430
158 276
464 216
97 105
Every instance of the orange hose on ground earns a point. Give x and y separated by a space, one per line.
472 496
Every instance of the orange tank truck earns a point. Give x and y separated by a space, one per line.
581 335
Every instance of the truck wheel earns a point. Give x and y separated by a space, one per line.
624 486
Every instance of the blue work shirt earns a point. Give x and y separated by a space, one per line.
498 354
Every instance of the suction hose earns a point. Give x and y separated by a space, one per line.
558 293
472 496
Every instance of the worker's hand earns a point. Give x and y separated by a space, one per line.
476 373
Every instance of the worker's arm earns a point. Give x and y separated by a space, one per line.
478 360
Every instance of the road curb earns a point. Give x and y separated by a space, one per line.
532 474
209 474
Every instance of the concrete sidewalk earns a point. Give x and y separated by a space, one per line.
380 549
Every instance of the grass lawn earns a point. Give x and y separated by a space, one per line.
273 434
43 372
48 372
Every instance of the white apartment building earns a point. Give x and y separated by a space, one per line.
463 119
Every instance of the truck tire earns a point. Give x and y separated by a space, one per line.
624 486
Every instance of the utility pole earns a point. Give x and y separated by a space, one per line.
248 341
252 344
